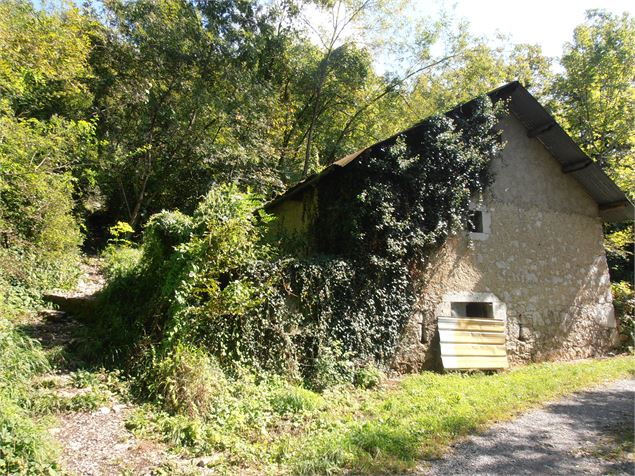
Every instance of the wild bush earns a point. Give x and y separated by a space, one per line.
186 381
210 289
118 261
24 445
368 376
624 302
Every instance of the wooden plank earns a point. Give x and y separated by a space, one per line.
471 325
475 350
466 337
472 343
457 362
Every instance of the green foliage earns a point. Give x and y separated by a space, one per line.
377 222
49 403
368 377
595 92
120 234
292 400
164 231
119 261
44 65
624 302
21 358
208 289
332 366
24 445
36 185
197 93
275 427
594 100
187 381
43 145
193 284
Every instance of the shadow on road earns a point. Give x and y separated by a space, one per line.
590 433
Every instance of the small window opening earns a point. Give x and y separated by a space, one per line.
483 310
475 221
423 336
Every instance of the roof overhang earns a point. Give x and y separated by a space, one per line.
614 205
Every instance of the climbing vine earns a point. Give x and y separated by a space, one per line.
211 283
378 221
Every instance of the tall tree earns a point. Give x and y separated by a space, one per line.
594 97
174 79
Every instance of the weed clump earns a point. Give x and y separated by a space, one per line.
24 445
186 381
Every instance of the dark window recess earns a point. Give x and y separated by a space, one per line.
478 309
475 221
473 309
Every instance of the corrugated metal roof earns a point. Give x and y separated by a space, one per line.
613 202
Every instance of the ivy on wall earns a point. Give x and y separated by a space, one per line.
380 218
210 283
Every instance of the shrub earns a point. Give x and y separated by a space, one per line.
120 234
624 302
24 446
163 232
293 399
119 261
186 380
368 376
331 367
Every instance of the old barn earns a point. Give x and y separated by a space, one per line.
528 281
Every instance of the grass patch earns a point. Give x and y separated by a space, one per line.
272 427
420 417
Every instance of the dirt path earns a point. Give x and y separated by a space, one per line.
90 405
589 433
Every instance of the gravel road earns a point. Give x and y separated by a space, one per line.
589 433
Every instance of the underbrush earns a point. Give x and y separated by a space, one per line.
224 285
25 447
247 425
271 426
26 271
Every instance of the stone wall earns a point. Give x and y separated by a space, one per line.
542 256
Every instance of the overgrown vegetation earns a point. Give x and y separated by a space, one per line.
274 427
208 290
115 111
25 446
42 142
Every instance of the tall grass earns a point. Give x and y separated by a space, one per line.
24 445
272 426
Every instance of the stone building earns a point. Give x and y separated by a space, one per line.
529 282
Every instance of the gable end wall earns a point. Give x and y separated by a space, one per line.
543 258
